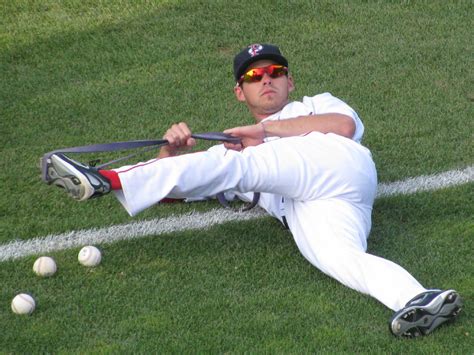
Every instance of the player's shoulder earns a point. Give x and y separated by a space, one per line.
325 101
322 97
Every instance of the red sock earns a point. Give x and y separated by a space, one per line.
113 177
115 183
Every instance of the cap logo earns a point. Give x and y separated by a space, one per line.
255 49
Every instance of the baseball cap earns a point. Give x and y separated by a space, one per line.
255 52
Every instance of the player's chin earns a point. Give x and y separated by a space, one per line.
273 99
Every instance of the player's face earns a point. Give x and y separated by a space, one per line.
266 96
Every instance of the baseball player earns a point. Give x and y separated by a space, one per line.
306 160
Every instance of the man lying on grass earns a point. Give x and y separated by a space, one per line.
306 161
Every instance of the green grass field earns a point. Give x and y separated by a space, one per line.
83 72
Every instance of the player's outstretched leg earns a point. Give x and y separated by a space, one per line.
425 313
80 181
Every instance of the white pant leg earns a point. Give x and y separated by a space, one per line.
329 184
331 234
316 166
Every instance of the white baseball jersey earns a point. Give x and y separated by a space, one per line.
328 184
316 105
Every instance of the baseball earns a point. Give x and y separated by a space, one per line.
89 256
44 266
23 304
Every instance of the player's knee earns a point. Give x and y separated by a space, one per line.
332 257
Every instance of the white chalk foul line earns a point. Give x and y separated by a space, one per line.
427 183
189 221
197 220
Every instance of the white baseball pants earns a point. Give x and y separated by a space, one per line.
328 183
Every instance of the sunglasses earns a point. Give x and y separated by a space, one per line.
256 74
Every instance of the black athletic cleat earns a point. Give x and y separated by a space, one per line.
425 313
80 181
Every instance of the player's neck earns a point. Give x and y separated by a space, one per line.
259 118
259 115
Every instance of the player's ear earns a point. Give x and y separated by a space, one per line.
239 93
291 84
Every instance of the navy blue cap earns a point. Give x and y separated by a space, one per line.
255 52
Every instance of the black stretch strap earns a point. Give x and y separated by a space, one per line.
223 201
116 146
148 144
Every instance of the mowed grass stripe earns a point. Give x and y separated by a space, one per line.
194 220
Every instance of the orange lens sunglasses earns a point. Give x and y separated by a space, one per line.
256 74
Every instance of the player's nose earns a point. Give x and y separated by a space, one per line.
266 79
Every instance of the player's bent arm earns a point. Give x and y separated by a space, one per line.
166 152
325 123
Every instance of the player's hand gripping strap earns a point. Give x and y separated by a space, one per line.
151 144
